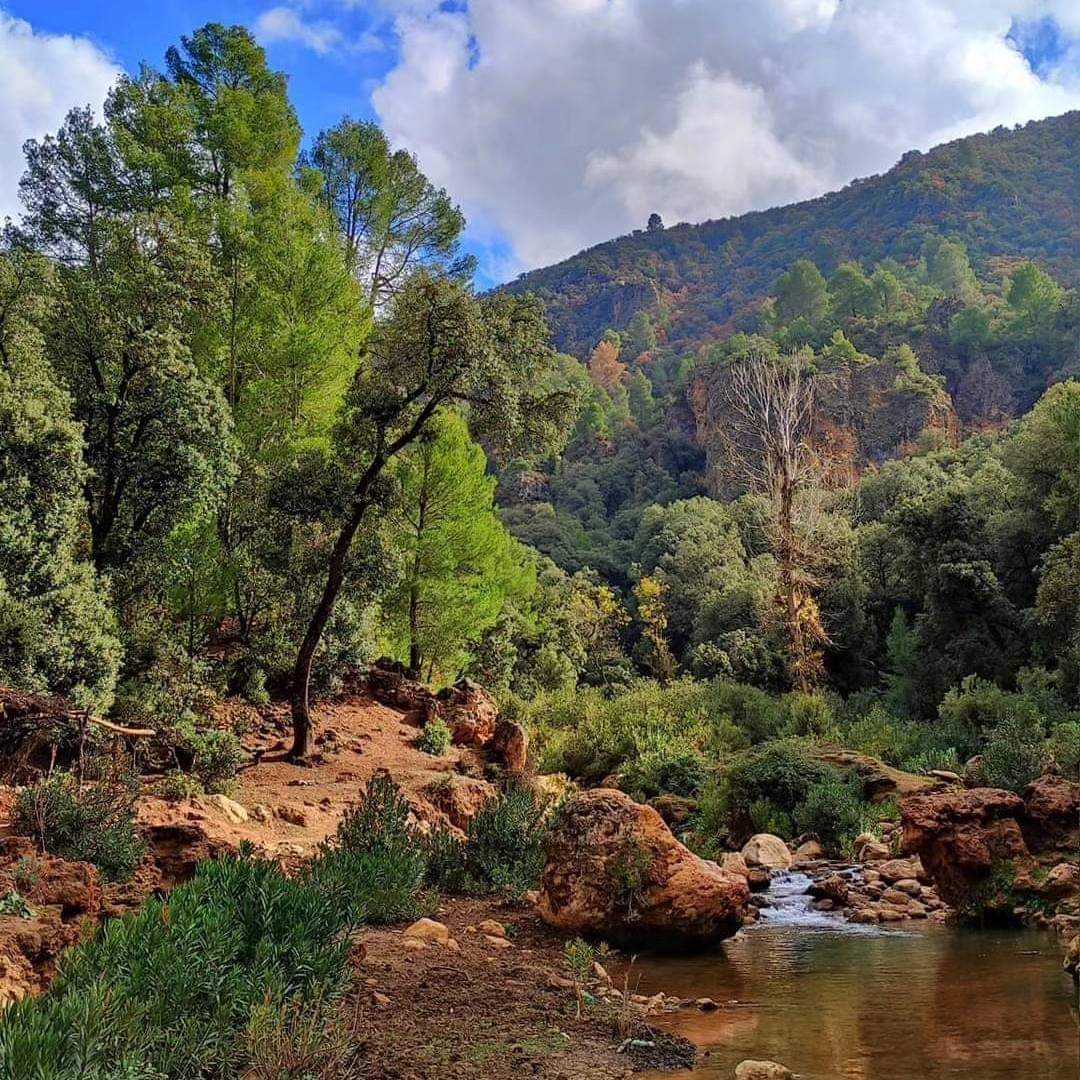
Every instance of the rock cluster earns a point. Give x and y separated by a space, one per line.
614 870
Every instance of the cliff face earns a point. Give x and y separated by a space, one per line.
866 413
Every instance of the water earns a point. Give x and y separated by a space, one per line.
834 1001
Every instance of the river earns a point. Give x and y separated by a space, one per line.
832 1000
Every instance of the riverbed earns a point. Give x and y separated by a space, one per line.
833 1000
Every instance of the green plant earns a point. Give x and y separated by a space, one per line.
834 810
435 738
96 824
580 957
179 785
1014 754
504 844
630 874
668 767
1065 748
13 903
27 873
215 754
303 1040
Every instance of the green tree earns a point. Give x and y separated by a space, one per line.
57 632
948 269
801 293
850 293
461 564
438 346
393 219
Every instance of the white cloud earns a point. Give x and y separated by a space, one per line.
42 76
287 24
563 122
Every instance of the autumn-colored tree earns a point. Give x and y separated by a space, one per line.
655 650
605 367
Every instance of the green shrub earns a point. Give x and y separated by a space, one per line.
13 903
757 715
435 738
1065 748
766 817
834 810
1014 754
179 785
671 767
95 825
171 992
809 714
375 866
503 849
215 754
881 735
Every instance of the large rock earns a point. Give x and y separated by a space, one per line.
767 850
471 713
510 744
1051 816
459 798
1071 963
615 871
964 837
880 781
762 1070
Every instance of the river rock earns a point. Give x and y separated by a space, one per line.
808 851
231 810
602 838
961 836
834 888
868 848
1051 814
676 810
909 886
767 850
734 863
762 1070
1071 963
893 870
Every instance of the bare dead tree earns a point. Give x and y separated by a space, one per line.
765 441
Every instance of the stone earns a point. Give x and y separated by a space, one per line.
428 930
880 781
1051 814
758 878
459 798
767 850
946 775
492 928
1062 881
962 836
262 813
909 886
833 888
734 863
294 815
510 745
497 942
868 848
808 851
470 712
676 810
232 811
762 1070
1071 963
706 1004
896 898
414 945
893 870
380 999
599 840
867 915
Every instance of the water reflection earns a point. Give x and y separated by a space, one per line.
835 1002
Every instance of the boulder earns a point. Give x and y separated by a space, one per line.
767 850
676 810
963 836
1062 881
762 1070
893 870
1051 815
734 863
460 798
614 870
231 810
808 851
427 930
471 713
510 745
1071 963
868 848
880 781
834 888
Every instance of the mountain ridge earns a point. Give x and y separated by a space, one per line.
1010 193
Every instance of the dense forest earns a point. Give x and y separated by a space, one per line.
272 434
1008 194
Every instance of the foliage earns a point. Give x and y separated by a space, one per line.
96 824
435 738
12 903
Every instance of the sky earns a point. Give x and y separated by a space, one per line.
557 124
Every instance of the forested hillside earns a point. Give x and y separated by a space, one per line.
1007 194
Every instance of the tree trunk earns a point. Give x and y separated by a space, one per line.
416 660
335 578
789 585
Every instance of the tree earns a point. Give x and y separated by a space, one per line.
649 593
605 367
461 563
392 217
57 633
437 347
948 269
157 433
850 292
801 293
656 223
640 335
769 416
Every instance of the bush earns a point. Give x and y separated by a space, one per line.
1065 748
834 810
171 992
179 785
674 768
215 754
780 773
375 866
1014 754
435 738
503 849
96 825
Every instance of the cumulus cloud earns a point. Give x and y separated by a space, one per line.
287 24
559 123
42 76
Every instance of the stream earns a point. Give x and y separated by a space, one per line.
833 1000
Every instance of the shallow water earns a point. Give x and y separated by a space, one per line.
834 1001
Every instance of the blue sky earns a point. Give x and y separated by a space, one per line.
560 123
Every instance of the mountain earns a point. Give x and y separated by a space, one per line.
1012 193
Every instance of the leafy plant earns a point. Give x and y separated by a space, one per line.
580 957
435 738
12 903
